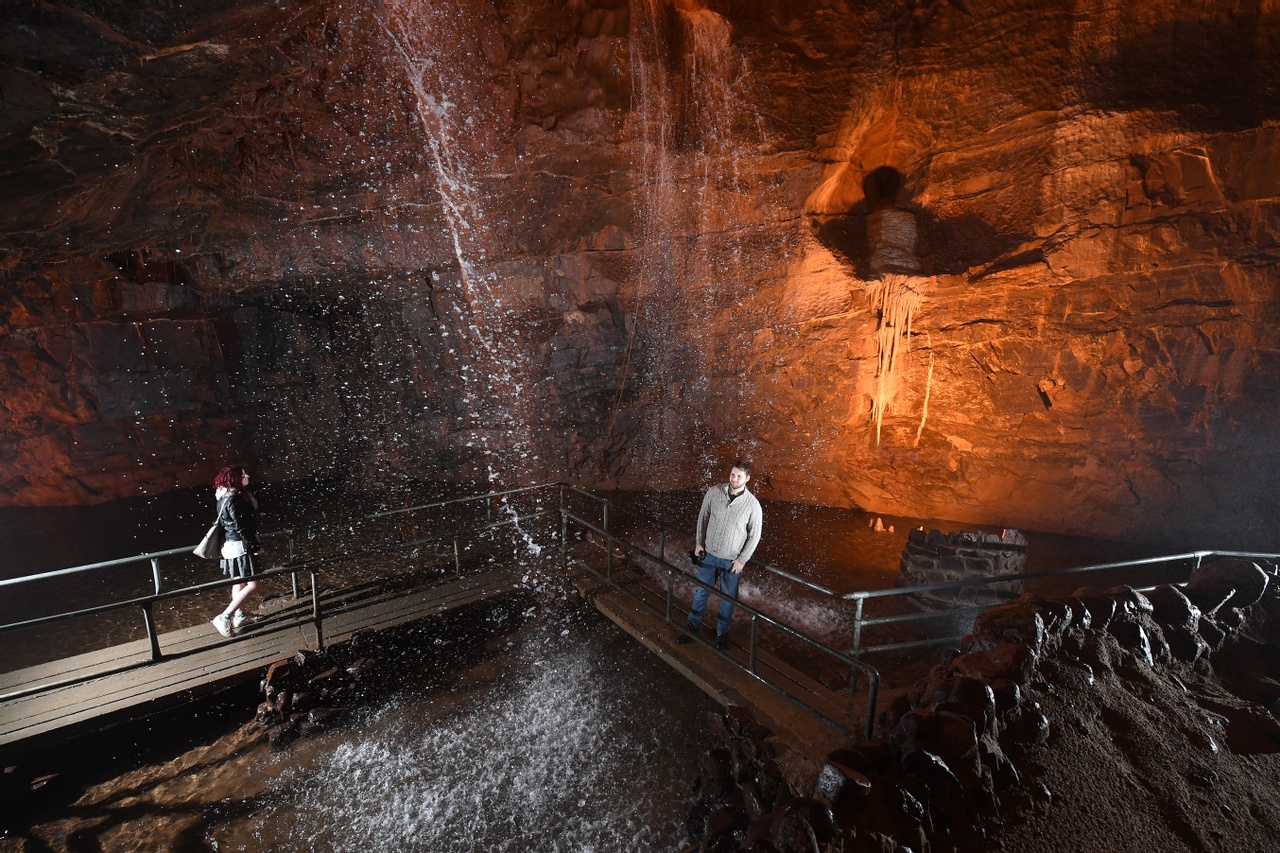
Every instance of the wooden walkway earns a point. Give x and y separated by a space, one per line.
99 688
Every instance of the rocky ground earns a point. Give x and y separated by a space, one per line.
1093 723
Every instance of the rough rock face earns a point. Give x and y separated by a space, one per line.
995 262
1076 723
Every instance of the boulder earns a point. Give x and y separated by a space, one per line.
1017 622
1010 661
1227 582
1172 608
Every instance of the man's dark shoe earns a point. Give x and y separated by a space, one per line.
685 636
722 641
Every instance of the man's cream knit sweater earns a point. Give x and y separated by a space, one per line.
729 530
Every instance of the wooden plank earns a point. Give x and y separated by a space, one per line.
193 664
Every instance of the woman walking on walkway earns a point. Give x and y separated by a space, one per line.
238 515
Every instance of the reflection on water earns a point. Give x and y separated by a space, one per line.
568 736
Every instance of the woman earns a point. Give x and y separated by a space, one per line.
238 514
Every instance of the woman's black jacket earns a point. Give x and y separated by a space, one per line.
239 516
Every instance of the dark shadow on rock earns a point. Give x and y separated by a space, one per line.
1216 75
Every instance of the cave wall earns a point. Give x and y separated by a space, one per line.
996 262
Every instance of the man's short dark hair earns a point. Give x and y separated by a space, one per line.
742 465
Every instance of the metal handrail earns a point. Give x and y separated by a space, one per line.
147 602
151 557
860 598
665 528
873 676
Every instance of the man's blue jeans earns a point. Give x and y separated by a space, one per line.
715 571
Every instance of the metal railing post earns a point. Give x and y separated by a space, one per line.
293 577
857 625
604 516
755 638
315 612
155 572
856 651
149 617
457 560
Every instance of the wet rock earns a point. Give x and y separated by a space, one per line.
1212 635
929 767
894 812
1055 613
278 673
1230 582
323 717
1028 724
741 723
759 750
362 668
1102 608
1011 623
890 717
1007 693
284 733
306 659
1131 605
868 756
802 820
1133 637
724 821
741 766
719 726
982 717
1172 608
840 786
753 801
716 763
1009 661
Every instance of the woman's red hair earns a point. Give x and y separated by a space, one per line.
231 477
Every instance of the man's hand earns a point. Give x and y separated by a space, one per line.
737 568
699 551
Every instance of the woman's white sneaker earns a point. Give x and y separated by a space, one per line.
238 618
223 623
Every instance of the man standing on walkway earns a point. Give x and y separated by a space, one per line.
726 536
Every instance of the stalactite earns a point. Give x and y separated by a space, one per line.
896 298
928 386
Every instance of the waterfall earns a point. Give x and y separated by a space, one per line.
436 51
692 117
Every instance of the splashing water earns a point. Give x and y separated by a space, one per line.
437 54
564 754
694 119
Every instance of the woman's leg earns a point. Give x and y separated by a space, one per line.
240 593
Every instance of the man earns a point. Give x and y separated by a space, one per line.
726 536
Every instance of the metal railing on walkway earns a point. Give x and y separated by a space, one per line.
1173 568
612 541
146 604
501 510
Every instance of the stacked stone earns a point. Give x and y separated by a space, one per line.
939 773
937 557
306 692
